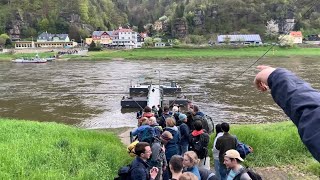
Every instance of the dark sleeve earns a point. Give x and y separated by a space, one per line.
218 144
184 131
206 139
155 151
301 103
138 174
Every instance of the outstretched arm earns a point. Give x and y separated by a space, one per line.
298 100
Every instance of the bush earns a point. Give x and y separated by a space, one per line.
94 47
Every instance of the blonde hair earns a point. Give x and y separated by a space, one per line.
192 157
143 121
170 122
188 176
153 120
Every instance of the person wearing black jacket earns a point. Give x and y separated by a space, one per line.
139 169
223 144
298 100
199 141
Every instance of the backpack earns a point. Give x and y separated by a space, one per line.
206 174
124 173
147 135
200 145
243 149
159 158
130 148
253 175
207 122
162 119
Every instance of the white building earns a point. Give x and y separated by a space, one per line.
125 37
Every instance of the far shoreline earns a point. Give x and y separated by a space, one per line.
183 53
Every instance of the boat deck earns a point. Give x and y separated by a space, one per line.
154 97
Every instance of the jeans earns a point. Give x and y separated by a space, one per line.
223 171
217 167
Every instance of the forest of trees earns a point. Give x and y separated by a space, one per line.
203 17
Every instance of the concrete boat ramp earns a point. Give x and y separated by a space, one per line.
153 95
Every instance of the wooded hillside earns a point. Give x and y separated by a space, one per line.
202 17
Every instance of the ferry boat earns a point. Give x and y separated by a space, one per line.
36 59
154 95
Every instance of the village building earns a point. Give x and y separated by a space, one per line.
312 39
159 44
126 38
239 39
99 37
47 40
297 37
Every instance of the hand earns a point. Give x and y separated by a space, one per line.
163 149
164 168
250 149
154 172
261 79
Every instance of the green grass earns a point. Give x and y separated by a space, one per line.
203 53
6 56
34 150
275 144
187 53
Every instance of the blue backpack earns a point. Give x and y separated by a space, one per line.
147 135
243 149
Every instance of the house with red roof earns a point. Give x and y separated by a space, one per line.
297 36
101 37
125 37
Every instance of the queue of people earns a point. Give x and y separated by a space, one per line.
185 141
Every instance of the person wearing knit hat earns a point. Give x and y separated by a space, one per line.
184 132
166 136
232 161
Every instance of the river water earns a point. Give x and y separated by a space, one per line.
87 94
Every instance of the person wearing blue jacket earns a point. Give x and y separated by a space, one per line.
184 132
297 99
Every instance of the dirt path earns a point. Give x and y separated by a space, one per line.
125 136
284 173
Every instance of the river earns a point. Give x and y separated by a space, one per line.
87 94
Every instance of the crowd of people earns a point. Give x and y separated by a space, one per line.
174 145
179 145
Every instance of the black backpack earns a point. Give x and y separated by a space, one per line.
207 122
199 144
253 175
124 173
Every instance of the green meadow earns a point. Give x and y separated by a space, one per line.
184 53
275 144
34 150
201 53
8 57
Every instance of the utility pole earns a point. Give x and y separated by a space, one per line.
159 76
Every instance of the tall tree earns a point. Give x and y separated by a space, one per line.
140 27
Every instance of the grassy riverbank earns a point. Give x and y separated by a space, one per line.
8 57
184 53
33 150
275 144
201 53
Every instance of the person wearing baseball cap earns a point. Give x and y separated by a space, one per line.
232 160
